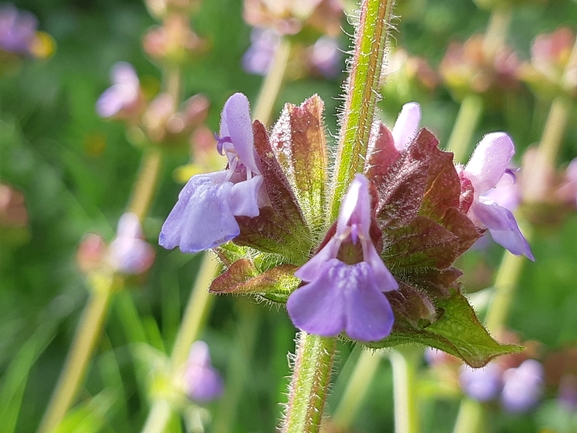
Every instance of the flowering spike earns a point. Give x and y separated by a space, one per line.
346 279
489 163
204 216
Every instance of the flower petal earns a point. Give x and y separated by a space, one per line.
489 161
342 298
311 269
356 207
202 218
407 125
503 227
236 124
243 200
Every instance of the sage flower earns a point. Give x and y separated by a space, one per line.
345 280
204 216
489 163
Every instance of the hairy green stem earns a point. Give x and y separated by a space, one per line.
194 318
465 125
83 344
405 365
309 385
361 95
356 390
272 83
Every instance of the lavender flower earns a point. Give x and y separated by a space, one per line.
325 56
406 125
481 384
258 58
346 278
204 216
485 169
523 386
123 95
129 253
202 382
17 30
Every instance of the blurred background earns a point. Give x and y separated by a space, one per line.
68 170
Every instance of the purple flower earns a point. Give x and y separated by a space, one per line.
17 30
485 169
406 125
258 58
202 382
523 386
124 94
129 253
203 217
325 56
481 384
346 279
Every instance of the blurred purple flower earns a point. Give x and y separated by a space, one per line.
203 217
129 253
481 384
485 169
523 386
258 58
346 279
202 382
123 95
406 125
325 56
17 29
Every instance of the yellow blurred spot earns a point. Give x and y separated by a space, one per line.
183 173
43 46
95 144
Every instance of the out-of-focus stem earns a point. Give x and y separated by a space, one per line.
405 365
195 315
309 385
471 417
356 390
272 83
506 282
146 183
196 311
497 30
465 125
83 344
536 185
238 367
361 96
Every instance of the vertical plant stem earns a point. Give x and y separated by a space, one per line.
238 367
471 417
536 187
309 385
83 344
195 315
405 365
146 183
356 390
361 95
196 311
465 125
506 282
497 30
272 83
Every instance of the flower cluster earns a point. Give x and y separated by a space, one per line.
519 389
382 271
